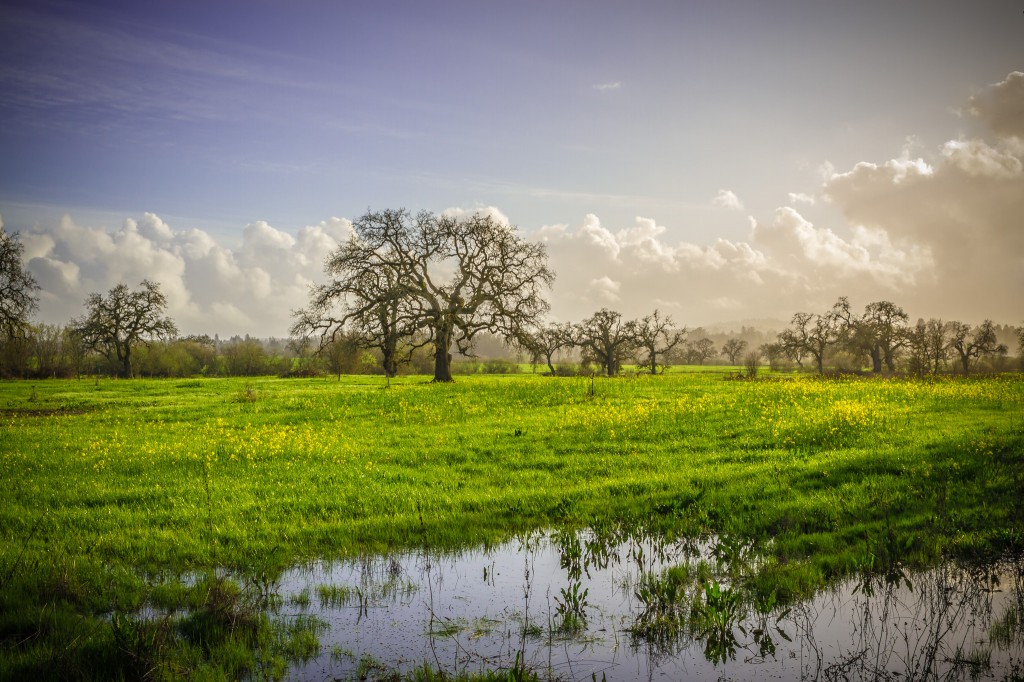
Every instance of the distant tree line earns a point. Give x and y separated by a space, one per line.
882 340
56 351
879 340
421 294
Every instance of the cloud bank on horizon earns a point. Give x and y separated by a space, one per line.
938 233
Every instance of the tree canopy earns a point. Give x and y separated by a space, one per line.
445 277
656 336
118 322
546 340
970 344
608 339
17 287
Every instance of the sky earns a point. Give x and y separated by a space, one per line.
722 162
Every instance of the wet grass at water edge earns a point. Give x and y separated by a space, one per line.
118 493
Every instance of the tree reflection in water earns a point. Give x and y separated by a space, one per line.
624 605
940 624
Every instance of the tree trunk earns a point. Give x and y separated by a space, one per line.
442 358
390 351
126 362
890 360
609 364
876 360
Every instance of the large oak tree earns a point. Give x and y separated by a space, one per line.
363 303
810 334
17 303
656 336
608 338
117 323
970 344
445 277
17 287
879 333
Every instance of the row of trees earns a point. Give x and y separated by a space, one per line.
46 350
605 339
402 282
403 286
883 338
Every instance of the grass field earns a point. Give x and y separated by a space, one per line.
186 497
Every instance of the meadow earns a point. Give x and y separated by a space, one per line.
142 522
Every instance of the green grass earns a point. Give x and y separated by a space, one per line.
114 492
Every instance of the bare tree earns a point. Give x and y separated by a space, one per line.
810 334
657 336
970 344
608 338
50 347
341 354
937 344
927 346
451 277
880 332
918 358
733 349
771 352
365 302
546 340
115 324
699 350
17 294
752 361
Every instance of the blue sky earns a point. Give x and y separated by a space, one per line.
705 119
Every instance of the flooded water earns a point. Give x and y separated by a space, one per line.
580 606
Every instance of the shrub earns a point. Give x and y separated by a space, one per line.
500 366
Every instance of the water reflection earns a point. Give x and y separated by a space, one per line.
623 605
936 625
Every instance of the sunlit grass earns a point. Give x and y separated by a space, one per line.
107 485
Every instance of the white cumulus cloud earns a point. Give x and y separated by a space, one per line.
726 198
1001 106
936 230
802 198
210 288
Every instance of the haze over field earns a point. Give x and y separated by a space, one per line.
725 162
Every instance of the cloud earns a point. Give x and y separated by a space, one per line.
726 198
1001 106
801 198
210 288
492 212
607 86
815 255
935 230
978 159
638 268
965 211
605 289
